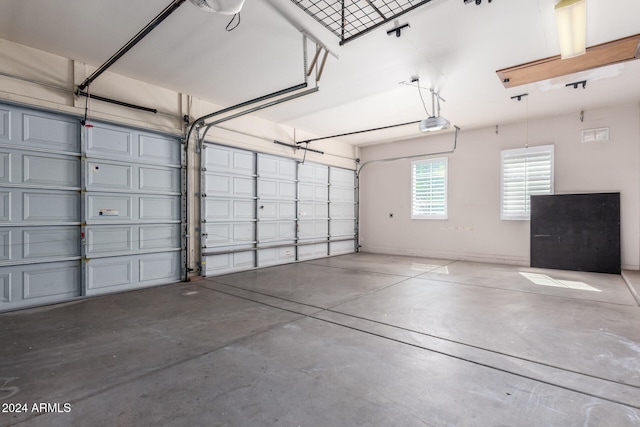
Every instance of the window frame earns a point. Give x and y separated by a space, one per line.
526 216
440 215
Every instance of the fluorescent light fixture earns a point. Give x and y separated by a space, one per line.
571 22
225 7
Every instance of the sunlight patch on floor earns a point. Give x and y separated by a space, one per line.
545 280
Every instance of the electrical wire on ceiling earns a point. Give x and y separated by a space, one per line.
231 28
417 80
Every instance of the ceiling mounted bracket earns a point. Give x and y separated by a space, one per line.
398 30
319 50
576 84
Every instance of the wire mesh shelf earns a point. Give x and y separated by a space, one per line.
349 19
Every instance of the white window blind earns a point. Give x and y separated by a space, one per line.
429 189
524 172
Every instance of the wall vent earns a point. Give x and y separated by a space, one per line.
595 135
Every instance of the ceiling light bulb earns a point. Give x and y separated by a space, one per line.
571 22
225 7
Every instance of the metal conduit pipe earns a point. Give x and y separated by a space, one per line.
200 120
306 141
257 108
413 156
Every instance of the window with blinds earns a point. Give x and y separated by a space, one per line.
524 172
429 189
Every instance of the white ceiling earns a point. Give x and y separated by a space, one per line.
453 47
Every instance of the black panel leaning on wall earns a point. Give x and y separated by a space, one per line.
578 232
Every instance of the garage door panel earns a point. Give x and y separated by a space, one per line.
309 172
229 235
58 280
40 206
275 256
33 244
5 241
123 207
19 167
229 186
105 141
228 262
277 210
5 158
156 179
342 195
221 209
133 209
158 149
267 166
5 206
24 206
343 247
313 210
109 273
342 227
117 142
40 130
342 211
342 177
276 231
228 160
127 239
313 229
109 240
318 250
5 288
154 208
276 167
274 189
51 171
316 192
109 176
154 237
114 274
291 207
50 242
27 285
109 207
5 125
159 268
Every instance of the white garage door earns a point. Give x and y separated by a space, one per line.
132 206
260 210
84 216
313 211
39 208
342 211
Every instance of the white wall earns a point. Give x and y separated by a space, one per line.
474 230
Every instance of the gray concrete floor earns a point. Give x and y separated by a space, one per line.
361 339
